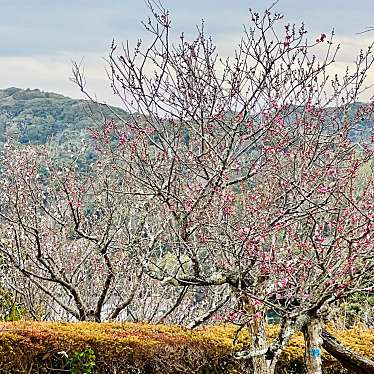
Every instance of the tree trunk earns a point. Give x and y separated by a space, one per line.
259 344
257 335
348 359
313 341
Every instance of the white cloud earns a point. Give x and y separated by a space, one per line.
52 73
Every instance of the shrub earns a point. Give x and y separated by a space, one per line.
10 309
37 347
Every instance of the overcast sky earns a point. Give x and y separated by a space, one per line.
39 38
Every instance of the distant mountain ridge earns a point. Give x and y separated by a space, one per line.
28 94
35 117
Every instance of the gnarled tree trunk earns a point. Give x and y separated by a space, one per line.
257 334
348 359
313 342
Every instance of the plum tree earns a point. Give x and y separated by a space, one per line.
248 170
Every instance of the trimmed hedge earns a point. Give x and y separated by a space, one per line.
46 347
117 347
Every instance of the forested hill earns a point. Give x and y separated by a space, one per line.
35 116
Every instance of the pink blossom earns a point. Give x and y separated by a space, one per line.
279 120
339 229
270 149
122 139
172 208
239 117
210 127
320 239
332 171
109 127
95 135
284 282
204 238
244 231
149 130
233 316
323 189
228 197
228 210
264 268
189 206
354 219
199 188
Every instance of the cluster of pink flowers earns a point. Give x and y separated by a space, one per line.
321 39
